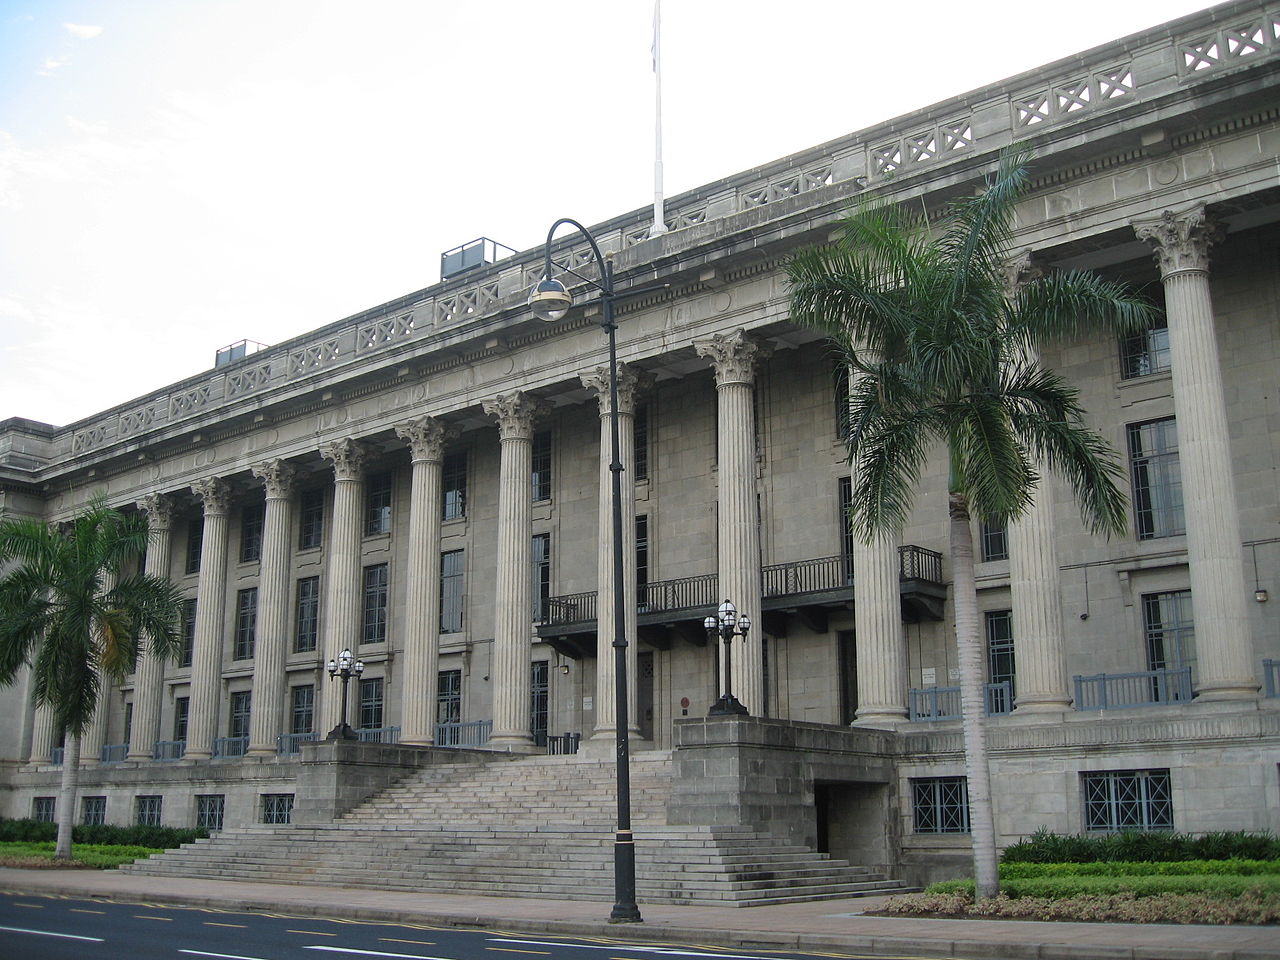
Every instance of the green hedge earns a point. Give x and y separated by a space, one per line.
1064 887
34 831
1135 845
1112 868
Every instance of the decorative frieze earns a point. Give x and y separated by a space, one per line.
1212 51
1075 96
934 143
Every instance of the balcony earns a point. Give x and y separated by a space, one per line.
114 752
169 749
804 590
289 744
943 703
1145 688
230 746
473 733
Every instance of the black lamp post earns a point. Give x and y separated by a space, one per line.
550 300
727 624
346 667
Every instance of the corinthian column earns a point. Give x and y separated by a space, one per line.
340 625
513 609
427 437
95 735
148 689
1224 647
42 736
1034 584
272 640
734 356
206 660
606 685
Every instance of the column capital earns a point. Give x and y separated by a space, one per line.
515 413
1020 269
426 436
216 494
159 510
278 477
347 457
734 355
1181 241
630 382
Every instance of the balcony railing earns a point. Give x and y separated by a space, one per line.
288 744
230 746
114 752
169 749
942 703
1271 677
917 563
473 733
1145 688
379 734
682 594
560 746
806 576
574 608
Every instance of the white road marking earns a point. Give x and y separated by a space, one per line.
220 956
632 948
50 933
378 953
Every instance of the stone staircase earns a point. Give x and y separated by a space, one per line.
536 827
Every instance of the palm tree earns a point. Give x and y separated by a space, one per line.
941 350
69 610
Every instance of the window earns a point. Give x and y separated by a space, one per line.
1127 800
277 807
374 629
128 723
93 810
1000 662
371 704
42 809
246 623
940 804
1157 480
307 615
641 428
642 554
377 505
848 651
251 533
209 811
542 466
1145 353
845 520
995 542
195 542
148 811
841 378
238 720
449 696
1170 632
452 590
302 701
541 574
181 710
539 692
311 529
188 632
454 486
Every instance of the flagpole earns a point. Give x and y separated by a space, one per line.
659 219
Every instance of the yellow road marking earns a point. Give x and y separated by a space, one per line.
139 916
312 933
78 910
421 943
211 923
30 906
541 953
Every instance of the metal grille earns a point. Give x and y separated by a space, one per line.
238 725
1157 479
42 809
375 604
188 632
995 542
449 697
195 541
93 810
1145 353
377 511
1001 666
940 805
541 574
301 708
311 529
541 466
454 484
246 622
640 427
1170 630
453 586
251 534
307 618
277 807
1127 800
209 811
371 703
148 811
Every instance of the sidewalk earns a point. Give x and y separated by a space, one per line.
824 926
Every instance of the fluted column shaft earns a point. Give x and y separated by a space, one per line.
206 659
271 644
513 608
606 702
734 356
880 650
148 687
43 735
95 735
340 624
1224 647
426 438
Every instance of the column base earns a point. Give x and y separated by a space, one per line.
139 757
880 717
1228 690
260 752
197 755
1047 705
342 731
728 706
511 744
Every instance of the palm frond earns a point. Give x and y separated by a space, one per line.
1063 305
993 469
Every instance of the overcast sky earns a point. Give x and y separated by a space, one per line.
176 175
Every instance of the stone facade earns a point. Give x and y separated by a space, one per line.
435 463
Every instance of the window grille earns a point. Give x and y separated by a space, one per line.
42 809
1001 667
1157 479
377 513
539 690
1127 800
246 623
541 466
311 528
1170 631
453 587
195 542
181 710
210 808
640 426
188 632
277 808
642 554
995 542
1145 353
238 719
841 379
251 533
302 700
148 811
93 810
371 704
449 696
541 575
374 629
454 486
940 804
307 615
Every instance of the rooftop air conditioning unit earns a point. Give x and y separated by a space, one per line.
471 256
237 351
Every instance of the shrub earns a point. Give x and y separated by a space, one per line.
1045 846
34 831
1250 907
1068 886
1111 868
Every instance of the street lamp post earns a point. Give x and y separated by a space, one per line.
345 667
550 300
727 624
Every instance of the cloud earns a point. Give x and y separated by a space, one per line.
83 31
51 65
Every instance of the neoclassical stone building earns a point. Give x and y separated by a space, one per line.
424 484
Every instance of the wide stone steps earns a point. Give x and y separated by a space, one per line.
539 827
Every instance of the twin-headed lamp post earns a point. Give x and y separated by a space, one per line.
344 668
727 624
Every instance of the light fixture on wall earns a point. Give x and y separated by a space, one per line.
1259 594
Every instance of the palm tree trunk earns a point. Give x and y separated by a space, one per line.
67 796
972 699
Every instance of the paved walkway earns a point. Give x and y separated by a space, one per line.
824 926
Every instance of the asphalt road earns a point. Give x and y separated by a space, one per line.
56 928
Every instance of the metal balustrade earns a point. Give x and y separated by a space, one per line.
169 750
561 746
943 703
681 594
1144 688
230 746
114 752
379 734
473 733
917 563
1271 678
573 608
806 576
288 744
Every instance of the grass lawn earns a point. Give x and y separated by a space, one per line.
90 856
